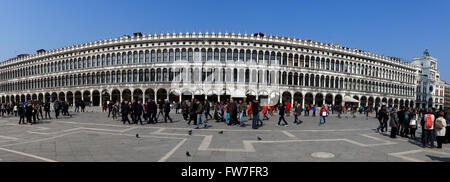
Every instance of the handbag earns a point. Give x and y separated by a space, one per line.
324 114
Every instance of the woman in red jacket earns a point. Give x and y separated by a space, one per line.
323 114
288 108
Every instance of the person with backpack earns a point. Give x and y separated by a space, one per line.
440 129
428 128
394 123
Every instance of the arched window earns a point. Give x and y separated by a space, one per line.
130 76
130 58
147 76
210 55
135 57
165 56
216 54
158 75
153 56
183 54
229 55
158 56
260 57
242 55
147 56
113 59
177 54
247 56
203 55
222 55
141 57
141 76
171 55
152 75
190 55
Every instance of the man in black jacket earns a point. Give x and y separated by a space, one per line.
21 112
125 111
29 112
148 108
282 109
167 111
154 111
137 108
255 112
233 112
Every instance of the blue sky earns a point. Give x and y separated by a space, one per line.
400 28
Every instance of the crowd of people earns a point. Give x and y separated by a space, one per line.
231 112
434 124
31 112
404 122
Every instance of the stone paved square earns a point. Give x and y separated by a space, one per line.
92 137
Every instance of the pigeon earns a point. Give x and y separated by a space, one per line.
188 154
137 136
190 132
220 132
259 138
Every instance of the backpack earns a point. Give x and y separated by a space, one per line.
429 121
406 116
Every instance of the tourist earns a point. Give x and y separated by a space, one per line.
82 105
394 123
339 110
167 111
297 113
137 111
242 109
29 112
323 114
413 125
125 111
288 108
57 108
207 110
447 128
15 110
47 110
199 112
282 111
161 109
192 110
21 112
233 112
441 123
314 111
256 122
428 128
264 112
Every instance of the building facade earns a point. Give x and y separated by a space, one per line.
446 96
215 66
430 88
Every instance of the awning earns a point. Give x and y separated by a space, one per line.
349 99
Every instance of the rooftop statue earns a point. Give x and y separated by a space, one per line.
426 53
